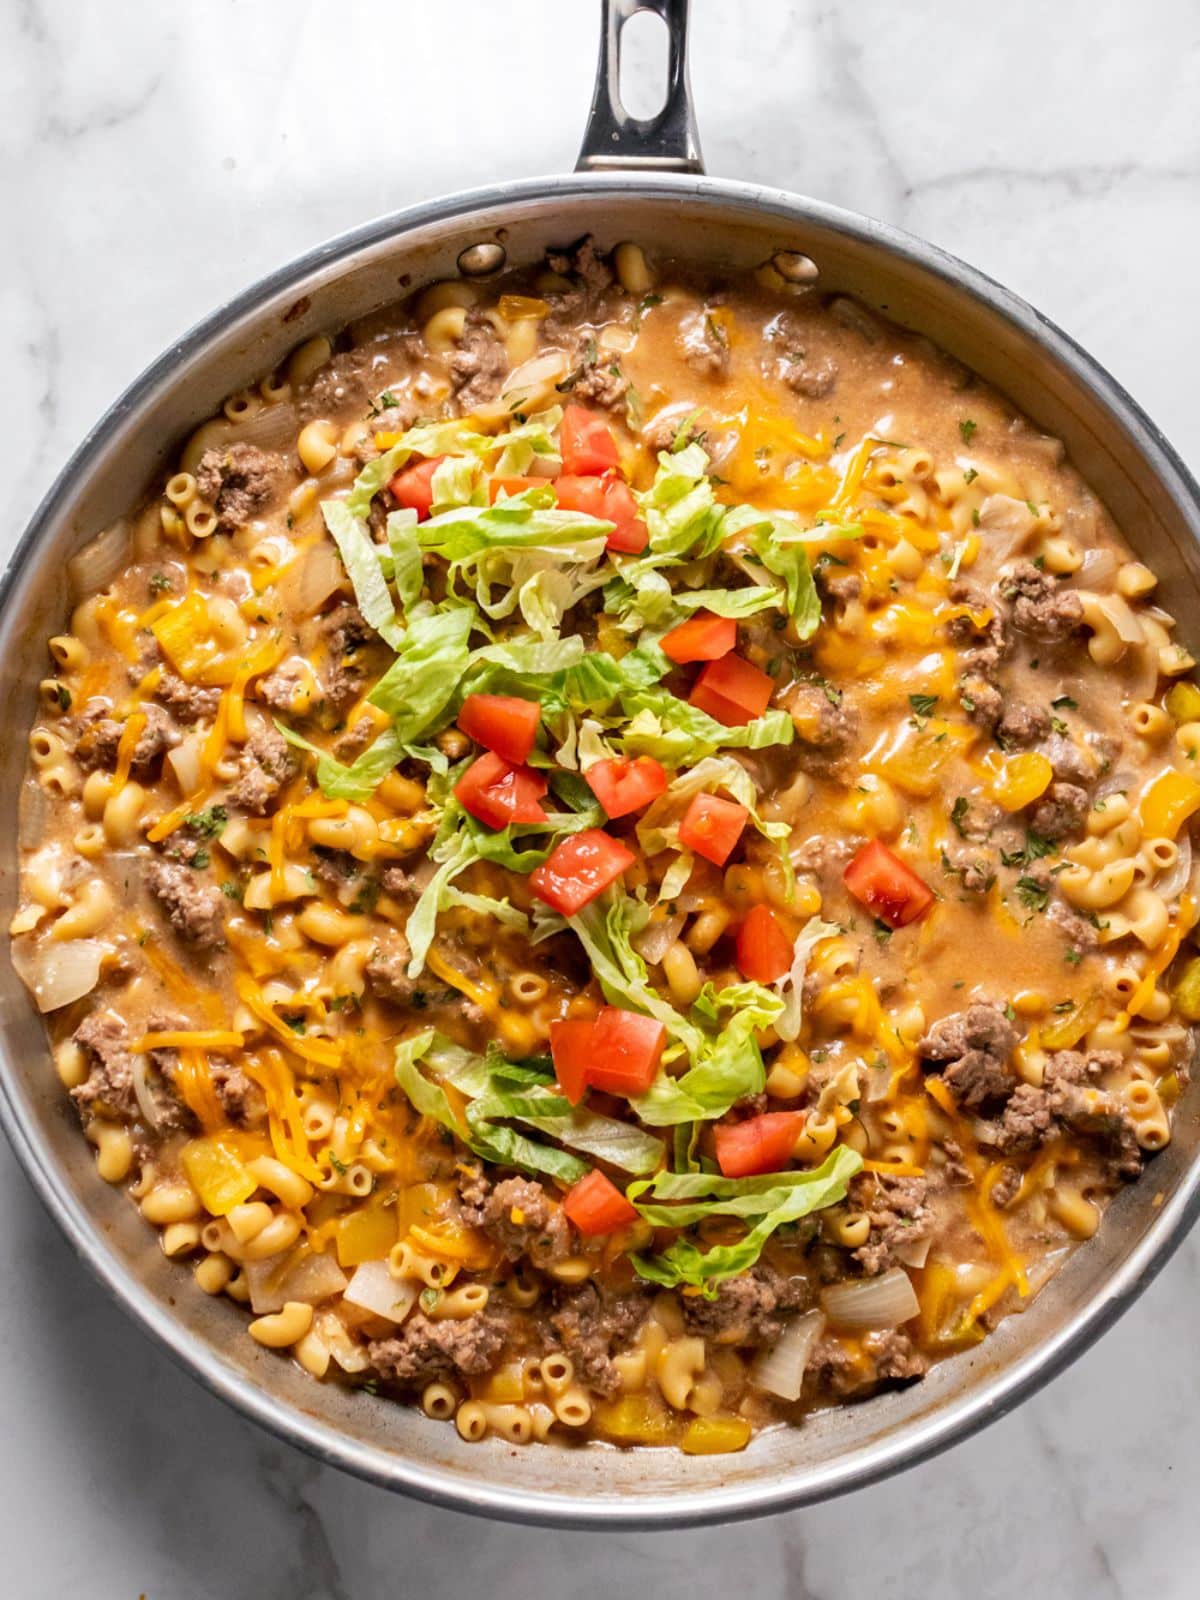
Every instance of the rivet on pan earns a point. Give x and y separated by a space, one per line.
477 260
790 264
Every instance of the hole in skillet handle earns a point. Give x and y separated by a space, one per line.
665 139
644 65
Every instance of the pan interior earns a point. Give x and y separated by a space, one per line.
728 227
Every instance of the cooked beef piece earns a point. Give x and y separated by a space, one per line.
1040 607
838 585
592 1327
386 973
1072 763
582 261
186 702
1004 1190
704 345
337 869
238 482
523 1220
267 765
346 379
346 631
898 1214
883 1357
278 689
976 1044
601 382
108 1087
976 874
987 642
1021 724
1068 1098
424 1351
1077 930
193 906
242 1099
981 700
1060 811
660 432
749 1310
396 417
479 365
824 856
400 883
814 377
97 736
824 729
353 742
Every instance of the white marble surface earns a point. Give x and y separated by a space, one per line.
153 159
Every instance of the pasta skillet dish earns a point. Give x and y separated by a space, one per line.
609 855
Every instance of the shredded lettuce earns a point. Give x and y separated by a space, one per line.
357 781
429 439
658 827
791 986
457 481
680 1200
499 1091
404 548
422 680
678 734
681 515
361 558
727 1068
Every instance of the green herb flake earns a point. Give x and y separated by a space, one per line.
967 429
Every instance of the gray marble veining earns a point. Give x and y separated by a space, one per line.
155 158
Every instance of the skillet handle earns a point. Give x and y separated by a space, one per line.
613 138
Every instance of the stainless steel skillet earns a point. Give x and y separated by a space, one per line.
640 180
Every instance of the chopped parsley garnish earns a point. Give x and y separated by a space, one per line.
159 583
231 890
958 813
970 475
208 824
1033 894
1064 703
882 932
297 1022
338 1166
923 704
967 428
200 860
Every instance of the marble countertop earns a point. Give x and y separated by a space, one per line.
153 160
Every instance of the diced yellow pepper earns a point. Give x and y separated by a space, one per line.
505 1386
1183 702
634 1419
1018 781
1168 803
1187 991
715 1436
217 1173
366 1235
918 760
419 1205
517 307
186 638
1066 1029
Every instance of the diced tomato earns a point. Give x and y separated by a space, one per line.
626 1051
732 691
511 486
760 1144
702 638
586 443
501 722
623 785
764 951
595 1205
712 827
578 869
610 498
886 886
571 1048
498 793
412 487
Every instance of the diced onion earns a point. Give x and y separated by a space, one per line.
57 974
143 1093
1120 782
657 937
273 428
1011 519
528 387
1121 614
1174 881
883 1302
95 566
779 1369
374 1289
33 812
913 1252
272 1283
308 583
1097 567
184 762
